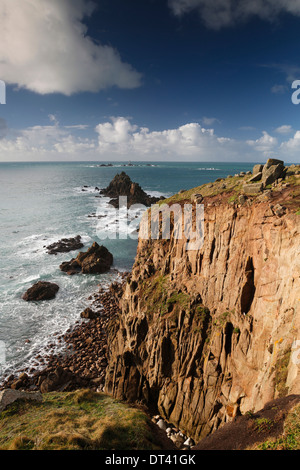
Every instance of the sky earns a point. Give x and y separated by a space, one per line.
149 80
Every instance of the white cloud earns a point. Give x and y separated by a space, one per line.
122 137
44 48
292 147
210 121
285 129
119 139
220 13
265 144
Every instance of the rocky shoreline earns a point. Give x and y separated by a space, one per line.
83 364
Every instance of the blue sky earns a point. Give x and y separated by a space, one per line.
149 80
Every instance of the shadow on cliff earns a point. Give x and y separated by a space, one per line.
266 429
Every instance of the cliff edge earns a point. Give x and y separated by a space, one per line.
206 335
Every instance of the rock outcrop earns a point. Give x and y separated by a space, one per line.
65 245
96 260
42 290
9 396
122 185
208 334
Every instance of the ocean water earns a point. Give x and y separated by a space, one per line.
40 203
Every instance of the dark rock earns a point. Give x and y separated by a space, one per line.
42 290
122 185
96 260
197 198
58 380
89 314
65 245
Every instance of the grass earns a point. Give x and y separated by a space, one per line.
281 373
290 439
233 184
81 420
263 424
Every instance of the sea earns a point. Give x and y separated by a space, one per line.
41 203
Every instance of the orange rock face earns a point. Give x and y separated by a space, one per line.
206 334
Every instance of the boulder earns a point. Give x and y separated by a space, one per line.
279 210
257 169
65 245
253 188
161 424
96 260
42 290
256 177
272 162
271 173
9 396
89 314
122 185
59 380
197 198
242 199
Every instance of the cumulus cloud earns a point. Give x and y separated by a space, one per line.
120 139
45 48
285 129
265 144
121 136
292 147
221 13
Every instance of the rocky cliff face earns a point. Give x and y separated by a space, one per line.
208 334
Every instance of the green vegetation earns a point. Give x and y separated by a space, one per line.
290 439
263 424
179 298
222 319
281 372
81 420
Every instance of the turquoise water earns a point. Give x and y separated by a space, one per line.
41 203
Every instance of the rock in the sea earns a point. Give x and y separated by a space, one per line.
9 396
122 185
42 290
96 260
65 245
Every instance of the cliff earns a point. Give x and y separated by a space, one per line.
206 335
